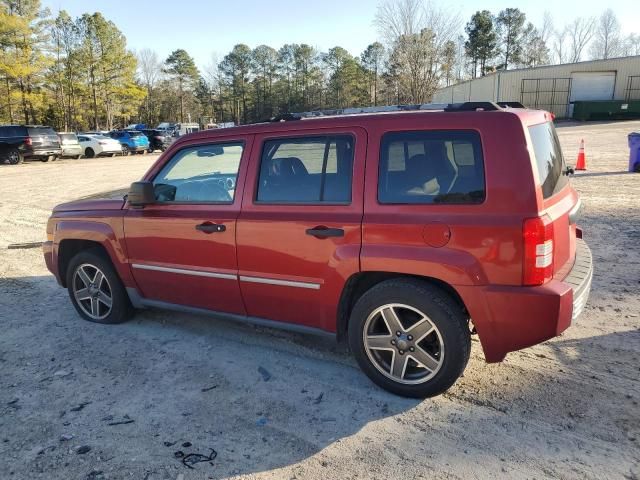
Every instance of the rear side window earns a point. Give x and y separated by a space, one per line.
549 159
441 167
306 170
13 131
68 136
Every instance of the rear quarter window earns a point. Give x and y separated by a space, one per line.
548 158
431 167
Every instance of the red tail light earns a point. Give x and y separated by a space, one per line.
537 267
28 141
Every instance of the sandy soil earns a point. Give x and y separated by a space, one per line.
565 409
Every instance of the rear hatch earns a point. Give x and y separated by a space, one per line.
68 139
560 202
43 138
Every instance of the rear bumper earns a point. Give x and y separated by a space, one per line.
71 151
44 152
511 318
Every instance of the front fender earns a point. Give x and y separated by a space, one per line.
107 232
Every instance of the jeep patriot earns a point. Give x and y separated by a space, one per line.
403 232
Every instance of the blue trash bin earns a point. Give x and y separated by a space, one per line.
634 152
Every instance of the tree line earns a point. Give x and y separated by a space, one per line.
78 73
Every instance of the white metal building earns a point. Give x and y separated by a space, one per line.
553 87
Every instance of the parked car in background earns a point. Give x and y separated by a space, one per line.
70 145
20 142
131 141
98 145
402 233
158 140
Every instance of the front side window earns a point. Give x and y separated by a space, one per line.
442 167
306 170
205 173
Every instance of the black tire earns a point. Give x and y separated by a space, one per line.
149 150
14 157
444 314
126 151
121 309
89 153
44 159
636 169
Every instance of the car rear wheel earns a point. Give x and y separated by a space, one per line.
410 338
14 157
149 150
96 290
89 153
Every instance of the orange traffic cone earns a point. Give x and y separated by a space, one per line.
581 163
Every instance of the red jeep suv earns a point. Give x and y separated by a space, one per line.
402 231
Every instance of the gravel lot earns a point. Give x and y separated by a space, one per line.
565 409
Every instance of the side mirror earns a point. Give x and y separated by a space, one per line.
141 194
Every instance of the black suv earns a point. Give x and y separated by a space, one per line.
18 142
158 139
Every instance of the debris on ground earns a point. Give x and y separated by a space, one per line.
266 376
83 449
207 389
79 407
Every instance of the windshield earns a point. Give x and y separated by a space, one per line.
68 136
549 159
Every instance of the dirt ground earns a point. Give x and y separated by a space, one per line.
134 393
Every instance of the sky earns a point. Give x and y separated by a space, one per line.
209 29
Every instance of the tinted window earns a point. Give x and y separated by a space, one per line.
306 170
431 167
549 160
13 131
41 131
135 134
206 173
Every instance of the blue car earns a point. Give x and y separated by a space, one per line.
132 141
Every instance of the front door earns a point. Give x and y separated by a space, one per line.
182 249
299 232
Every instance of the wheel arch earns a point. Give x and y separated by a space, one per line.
361 282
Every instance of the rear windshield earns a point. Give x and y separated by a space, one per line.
41 131
135 134
68 136
549 160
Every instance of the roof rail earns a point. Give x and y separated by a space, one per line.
285 117
447 107
472 107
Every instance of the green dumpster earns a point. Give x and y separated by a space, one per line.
606 110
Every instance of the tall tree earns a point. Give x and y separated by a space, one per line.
236 67
482 41
580 32
149 73
416 33
608 41
264 63
181 67
534 49
510 28
373 60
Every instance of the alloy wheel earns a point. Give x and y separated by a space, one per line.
403 344
92 291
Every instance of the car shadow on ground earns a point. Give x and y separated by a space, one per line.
602 174
265 399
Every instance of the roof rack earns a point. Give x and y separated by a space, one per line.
447 107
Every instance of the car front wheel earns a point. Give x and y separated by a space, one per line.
96 290
410 337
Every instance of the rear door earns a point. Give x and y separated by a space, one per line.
182 249
299 232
